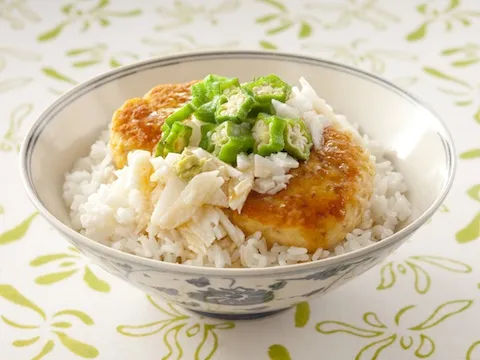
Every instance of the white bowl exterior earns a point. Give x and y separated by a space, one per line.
383 112
237 294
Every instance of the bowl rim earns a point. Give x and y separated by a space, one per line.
79 90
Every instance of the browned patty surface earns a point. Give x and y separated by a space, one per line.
136 124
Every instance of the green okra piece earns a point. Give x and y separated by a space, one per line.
268 133
298 140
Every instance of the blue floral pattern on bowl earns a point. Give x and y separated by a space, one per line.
238 296
254 295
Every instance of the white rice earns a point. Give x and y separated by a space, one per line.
145 210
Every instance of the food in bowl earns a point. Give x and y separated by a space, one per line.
220 173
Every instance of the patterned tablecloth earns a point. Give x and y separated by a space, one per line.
422 302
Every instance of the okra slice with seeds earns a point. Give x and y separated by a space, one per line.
298 140
230 139
177 139
267 88
268 133
234 107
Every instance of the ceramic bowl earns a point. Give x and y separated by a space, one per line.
66 130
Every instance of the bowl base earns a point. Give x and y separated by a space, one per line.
246 316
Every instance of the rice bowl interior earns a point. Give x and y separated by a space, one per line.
151 209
